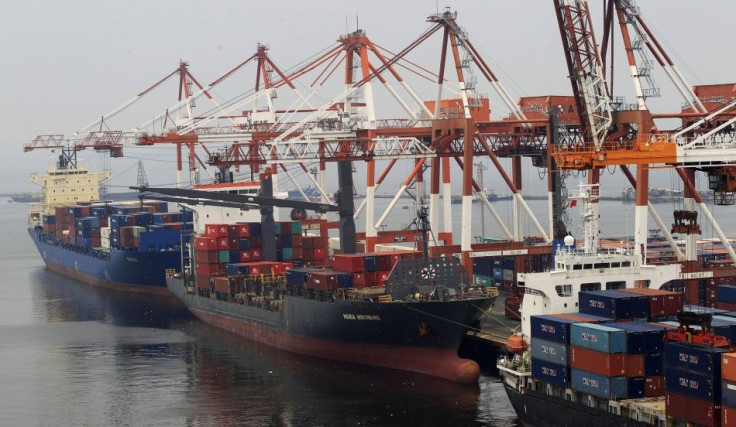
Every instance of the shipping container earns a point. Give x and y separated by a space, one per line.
661 303
598 337
236 269
642 338
728 416
613 304
654 386
608 364
692 384
653 364
550 351
353 263
600 385
584 318
696 358
728 393
551 327
551 373
728 367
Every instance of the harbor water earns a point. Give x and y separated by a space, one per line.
78 355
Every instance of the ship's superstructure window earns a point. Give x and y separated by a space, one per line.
564 290
585 287
577 267
587 266
615 265
626 264
615 285
602 265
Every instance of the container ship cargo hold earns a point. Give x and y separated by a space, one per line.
124 246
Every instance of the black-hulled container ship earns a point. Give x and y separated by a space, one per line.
396 310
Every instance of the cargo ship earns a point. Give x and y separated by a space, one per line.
399 310
123 246
605 340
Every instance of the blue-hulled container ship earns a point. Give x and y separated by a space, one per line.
124 246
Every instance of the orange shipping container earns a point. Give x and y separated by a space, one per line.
728 367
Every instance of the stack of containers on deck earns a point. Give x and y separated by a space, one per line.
368 269
228 250
550 343
661 303
728 389
312 253
609 361
692 382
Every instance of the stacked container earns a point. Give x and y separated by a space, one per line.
661 303
369 269
692 382
601 364
615 305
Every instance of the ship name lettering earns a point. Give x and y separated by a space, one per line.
350 316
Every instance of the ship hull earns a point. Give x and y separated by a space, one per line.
420 337
128 271
536 409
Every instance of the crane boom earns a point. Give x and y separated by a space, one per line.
585 67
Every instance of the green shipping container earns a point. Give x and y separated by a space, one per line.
479 279
223 256
296 227
287 254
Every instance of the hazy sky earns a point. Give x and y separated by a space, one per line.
66 63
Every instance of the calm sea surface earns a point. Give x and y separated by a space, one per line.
78 355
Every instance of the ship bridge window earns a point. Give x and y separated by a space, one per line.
615 285
616 265
585 287
626 264
577 267
564 290
587 266
602 265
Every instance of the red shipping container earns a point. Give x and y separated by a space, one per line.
728 416
322 280
255 254
382 279
223 243
634 365
607 364
254 241
232 231
243 230
307 254
359 280
383 262
371 278
348 263
226 285
730 306
258 268
205 243
571 316
296 241
654 386
204 269
320 253
728 367
207 257
297 253
203 282
285 227
694 410
216 230
245 256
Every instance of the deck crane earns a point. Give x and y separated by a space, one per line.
629 136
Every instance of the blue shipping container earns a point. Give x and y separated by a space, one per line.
728 393
370 263
599 385
552 328
550 351
692 384
598 337
642 338
551 373
653 364
727 293
695 358
613 304
237 269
